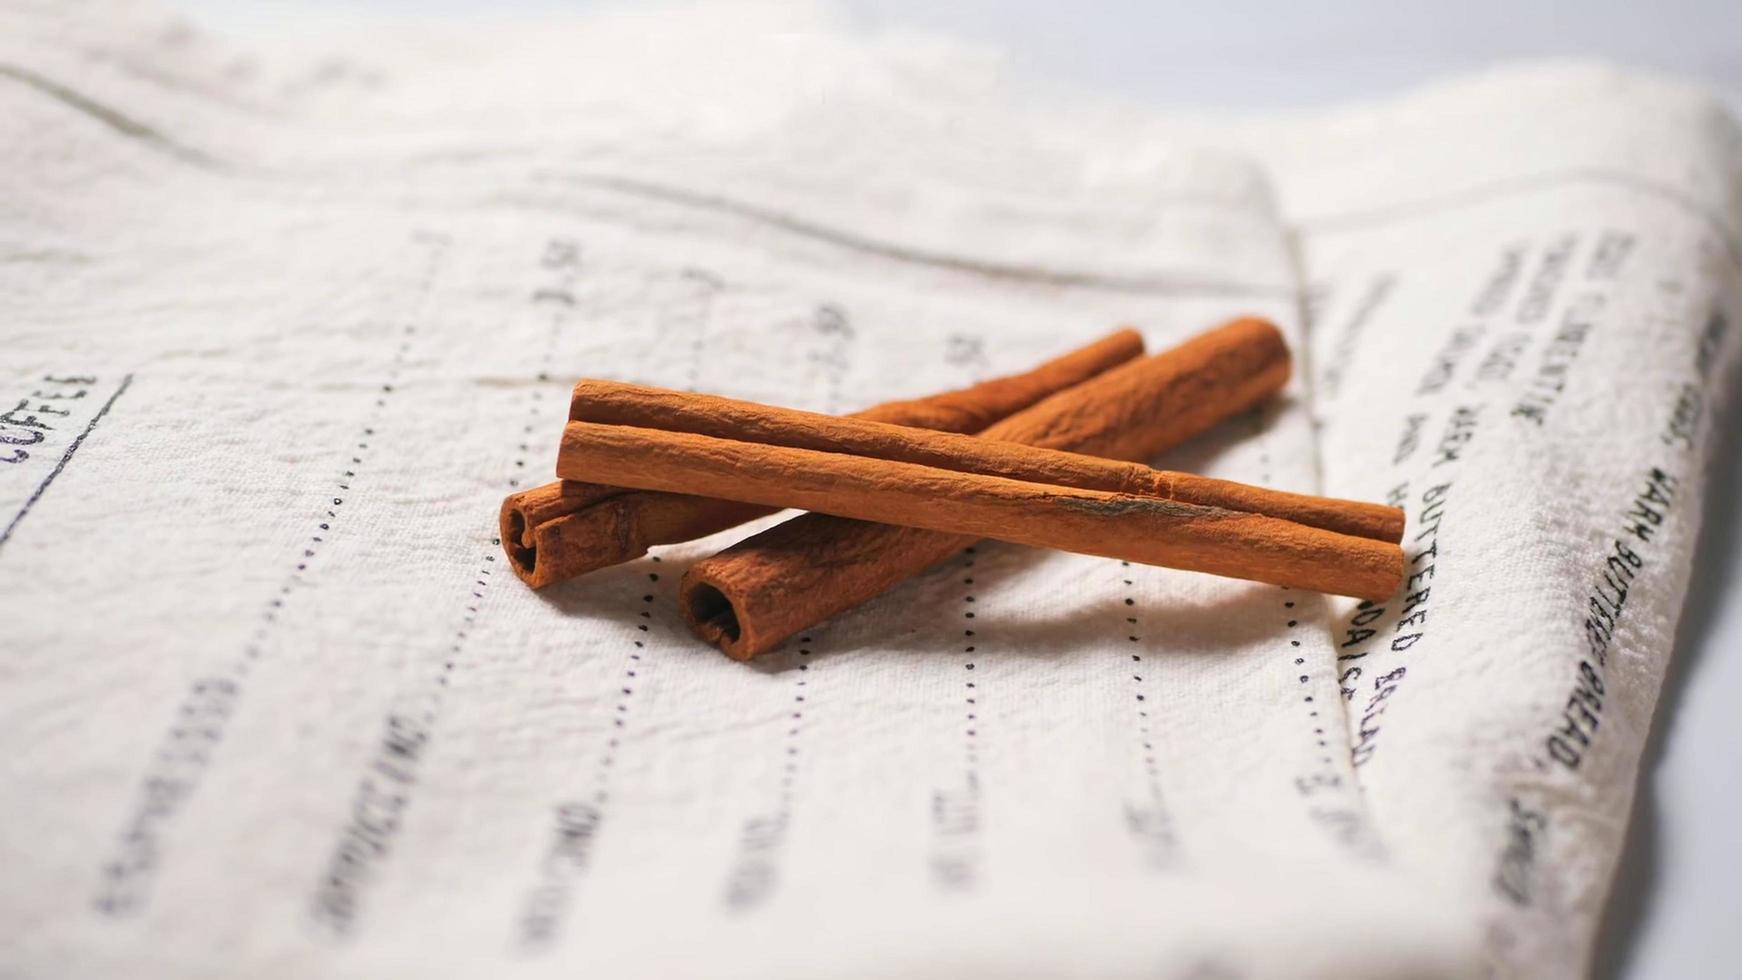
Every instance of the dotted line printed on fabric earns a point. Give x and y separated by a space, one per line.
754 874
185 751
1288 605
971 724
620 710
1149 822
956 819
800 698
1133 635
1338 810
578 820
385 791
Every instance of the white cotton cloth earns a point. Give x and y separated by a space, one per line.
285 324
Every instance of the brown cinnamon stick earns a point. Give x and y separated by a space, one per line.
1137 520
753 596
564 529
610 419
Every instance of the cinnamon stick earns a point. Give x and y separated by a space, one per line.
610 419
1140 524
751 597
564 529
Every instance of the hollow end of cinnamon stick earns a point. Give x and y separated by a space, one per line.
522 551
711 616
731 612
596 526
534 535
542 553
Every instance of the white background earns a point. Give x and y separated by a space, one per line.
1676 910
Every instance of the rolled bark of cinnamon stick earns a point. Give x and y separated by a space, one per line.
1153 530
567 528
643 414
751 597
